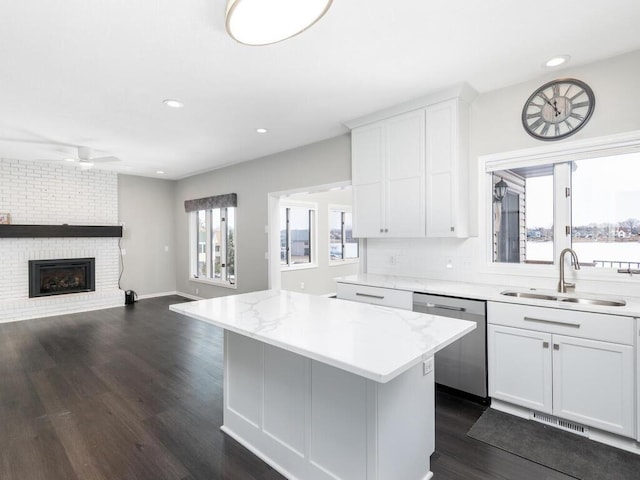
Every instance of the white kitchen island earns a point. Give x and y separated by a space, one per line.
322 388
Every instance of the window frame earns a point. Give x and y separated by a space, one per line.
194 248
342 209
313 236
560 155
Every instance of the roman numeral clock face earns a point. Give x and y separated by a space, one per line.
558 109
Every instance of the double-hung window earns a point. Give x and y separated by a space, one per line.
588 201
213 241
342 246
297 235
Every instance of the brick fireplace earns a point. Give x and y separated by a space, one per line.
46 193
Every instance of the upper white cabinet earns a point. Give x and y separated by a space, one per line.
388 162
447 180
409 169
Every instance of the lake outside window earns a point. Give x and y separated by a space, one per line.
591 205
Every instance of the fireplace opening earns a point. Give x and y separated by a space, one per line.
61 276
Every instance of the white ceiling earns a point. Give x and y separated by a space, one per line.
95 72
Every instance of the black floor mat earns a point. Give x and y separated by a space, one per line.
565 452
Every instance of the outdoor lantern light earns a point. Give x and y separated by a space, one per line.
499 191
262 22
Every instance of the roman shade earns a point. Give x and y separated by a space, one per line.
207 203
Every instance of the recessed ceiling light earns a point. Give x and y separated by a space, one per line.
160 172
170 102
69 159
557 61
261 130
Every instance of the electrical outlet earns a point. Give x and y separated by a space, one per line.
427 366
166 248
124 251
301 285
449 262
197 291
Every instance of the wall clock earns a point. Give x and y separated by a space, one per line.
558 109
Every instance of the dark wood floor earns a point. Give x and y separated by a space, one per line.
135 393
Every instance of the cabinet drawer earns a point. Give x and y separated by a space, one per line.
597 326
387 297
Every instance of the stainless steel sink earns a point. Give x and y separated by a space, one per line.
580 300
536 296
594 301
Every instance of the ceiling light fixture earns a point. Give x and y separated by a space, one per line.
557 61
261 130
69 159
170 102
262 22
160 172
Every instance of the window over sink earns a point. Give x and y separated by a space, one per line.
586 200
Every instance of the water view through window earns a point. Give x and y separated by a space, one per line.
598 199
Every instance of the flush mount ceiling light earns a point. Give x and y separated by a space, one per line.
261 130
557 61
262 22
173 103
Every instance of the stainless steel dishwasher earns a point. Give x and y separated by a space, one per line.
463 364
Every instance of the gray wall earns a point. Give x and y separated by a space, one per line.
154 211
146 206
495 127
320 163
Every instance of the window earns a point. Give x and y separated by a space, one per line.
590 204
297 235
342 245
214 245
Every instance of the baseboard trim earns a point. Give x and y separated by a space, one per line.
188 295
277 467
155 295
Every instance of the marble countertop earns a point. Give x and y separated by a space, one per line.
378 343
490 292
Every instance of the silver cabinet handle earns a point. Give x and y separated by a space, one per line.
552 322
446 307
545 344
368 295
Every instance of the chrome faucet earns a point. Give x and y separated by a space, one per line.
562 285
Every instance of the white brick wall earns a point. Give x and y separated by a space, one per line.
52 193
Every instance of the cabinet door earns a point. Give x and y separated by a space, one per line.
405 175
442 202
520 367
367 161
593 383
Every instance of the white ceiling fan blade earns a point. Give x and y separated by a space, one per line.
105 159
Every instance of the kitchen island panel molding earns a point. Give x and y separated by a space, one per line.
343 426
328 389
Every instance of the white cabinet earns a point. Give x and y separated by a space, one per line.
447 186
387 297
554 369
388 163
520 367
409 172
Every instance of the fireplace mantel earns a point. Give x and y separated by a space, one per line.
40 231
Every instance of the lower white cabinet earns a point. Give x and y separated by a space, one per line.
520 367
584 380
387 297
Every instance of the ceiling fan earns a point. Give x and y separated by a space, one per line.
85 159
